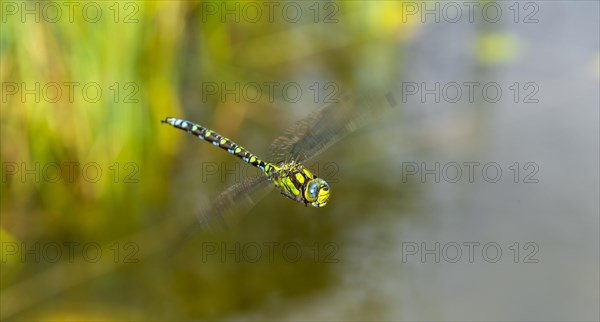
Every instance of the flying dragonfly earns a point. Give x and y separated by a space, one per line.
301 142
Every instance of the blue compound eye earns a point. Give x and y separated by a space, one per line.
313 188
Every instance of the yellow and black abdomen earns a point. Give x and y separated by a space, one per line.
218 140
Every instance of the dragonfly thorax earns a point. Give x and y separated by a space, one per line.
299 184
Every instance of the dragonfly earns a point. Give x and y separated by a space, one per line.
301 142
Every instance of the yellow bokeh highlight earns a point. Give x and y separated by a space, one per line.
497 48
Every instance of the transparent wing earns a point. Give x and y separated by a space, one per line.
235 200
325 126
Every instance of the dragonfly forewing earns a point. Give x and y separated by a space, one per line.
325 126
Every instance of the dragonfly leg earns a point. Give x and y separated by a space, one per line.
288 194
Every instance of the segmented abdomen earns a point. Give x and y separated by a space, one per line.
220 141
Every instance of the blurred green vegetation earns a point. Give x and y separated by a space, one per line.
149 58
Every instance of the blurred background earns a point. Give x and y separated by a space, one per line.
473 196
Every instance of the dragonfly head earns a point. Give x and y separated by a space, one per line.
317 192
